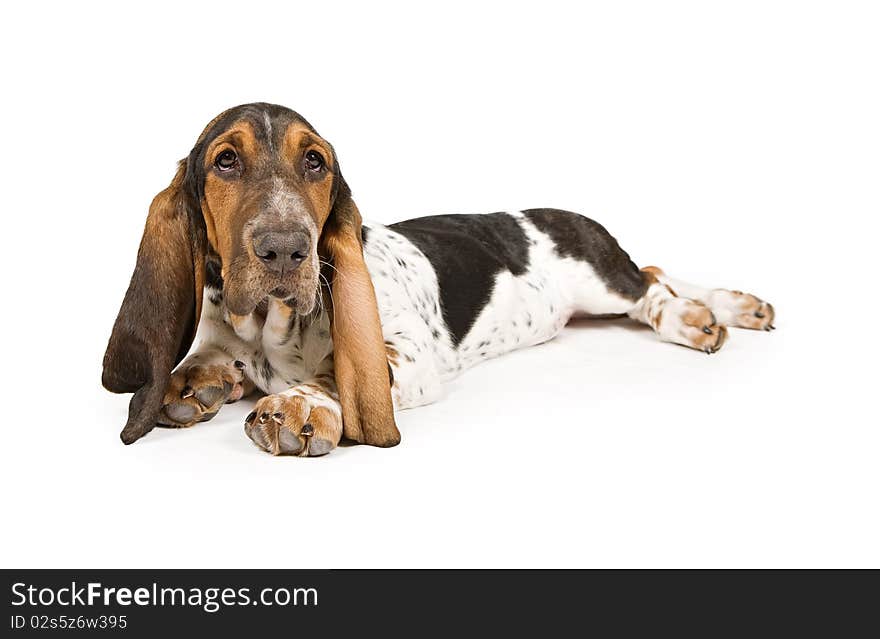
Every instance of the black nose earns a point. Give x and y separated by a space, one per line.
281 252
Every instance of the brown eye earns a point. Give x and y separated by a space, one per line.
226 161
314 161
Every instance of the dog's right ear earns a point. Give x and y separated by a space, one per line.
159 315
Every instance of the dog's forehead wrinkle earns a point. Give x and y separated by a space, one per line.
266 119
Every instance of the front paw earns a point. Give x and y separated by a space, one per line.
294 425
195 393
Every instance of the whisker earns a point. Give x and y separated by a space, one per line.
329 290
318 308
336 270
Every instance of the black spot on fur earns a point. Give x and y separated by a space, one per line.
213 278
266 370
467 253
583 239
292 328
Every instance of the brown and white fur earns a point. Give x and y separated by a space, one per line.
364 319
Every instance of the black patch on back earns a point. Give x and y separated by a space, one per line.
467 252
583 239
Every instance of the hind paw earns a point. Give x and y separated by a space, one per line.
692 324
742 310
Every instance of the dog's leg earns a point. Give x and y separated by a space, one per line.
200 385
678 319
412 363
305 420
731 308
696 317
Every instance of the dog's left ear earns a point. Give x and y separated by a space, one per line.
159 315
359 358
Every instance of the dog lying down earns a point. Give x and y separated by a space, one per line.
258 244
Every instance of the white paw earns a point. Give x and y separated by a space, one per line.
735 308
690 323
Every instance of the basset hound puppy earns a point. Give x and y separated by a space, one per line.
258 248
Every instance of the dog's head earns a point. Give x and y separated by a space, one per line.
263 191
266 184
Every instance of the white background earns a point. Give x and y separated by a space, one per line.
734 144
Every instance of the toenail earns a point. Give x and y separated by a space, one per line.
307 430
264 417
238 364
250 417
278 415
707 330
759 314
186 392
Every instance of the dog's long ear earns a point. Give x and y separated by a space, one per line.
359 355
159 315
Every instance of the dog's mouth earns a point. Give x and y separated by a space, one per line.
298 295
249 288
302 303
280 292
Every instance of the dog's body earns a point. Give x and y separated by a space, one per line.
450 292
453 291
